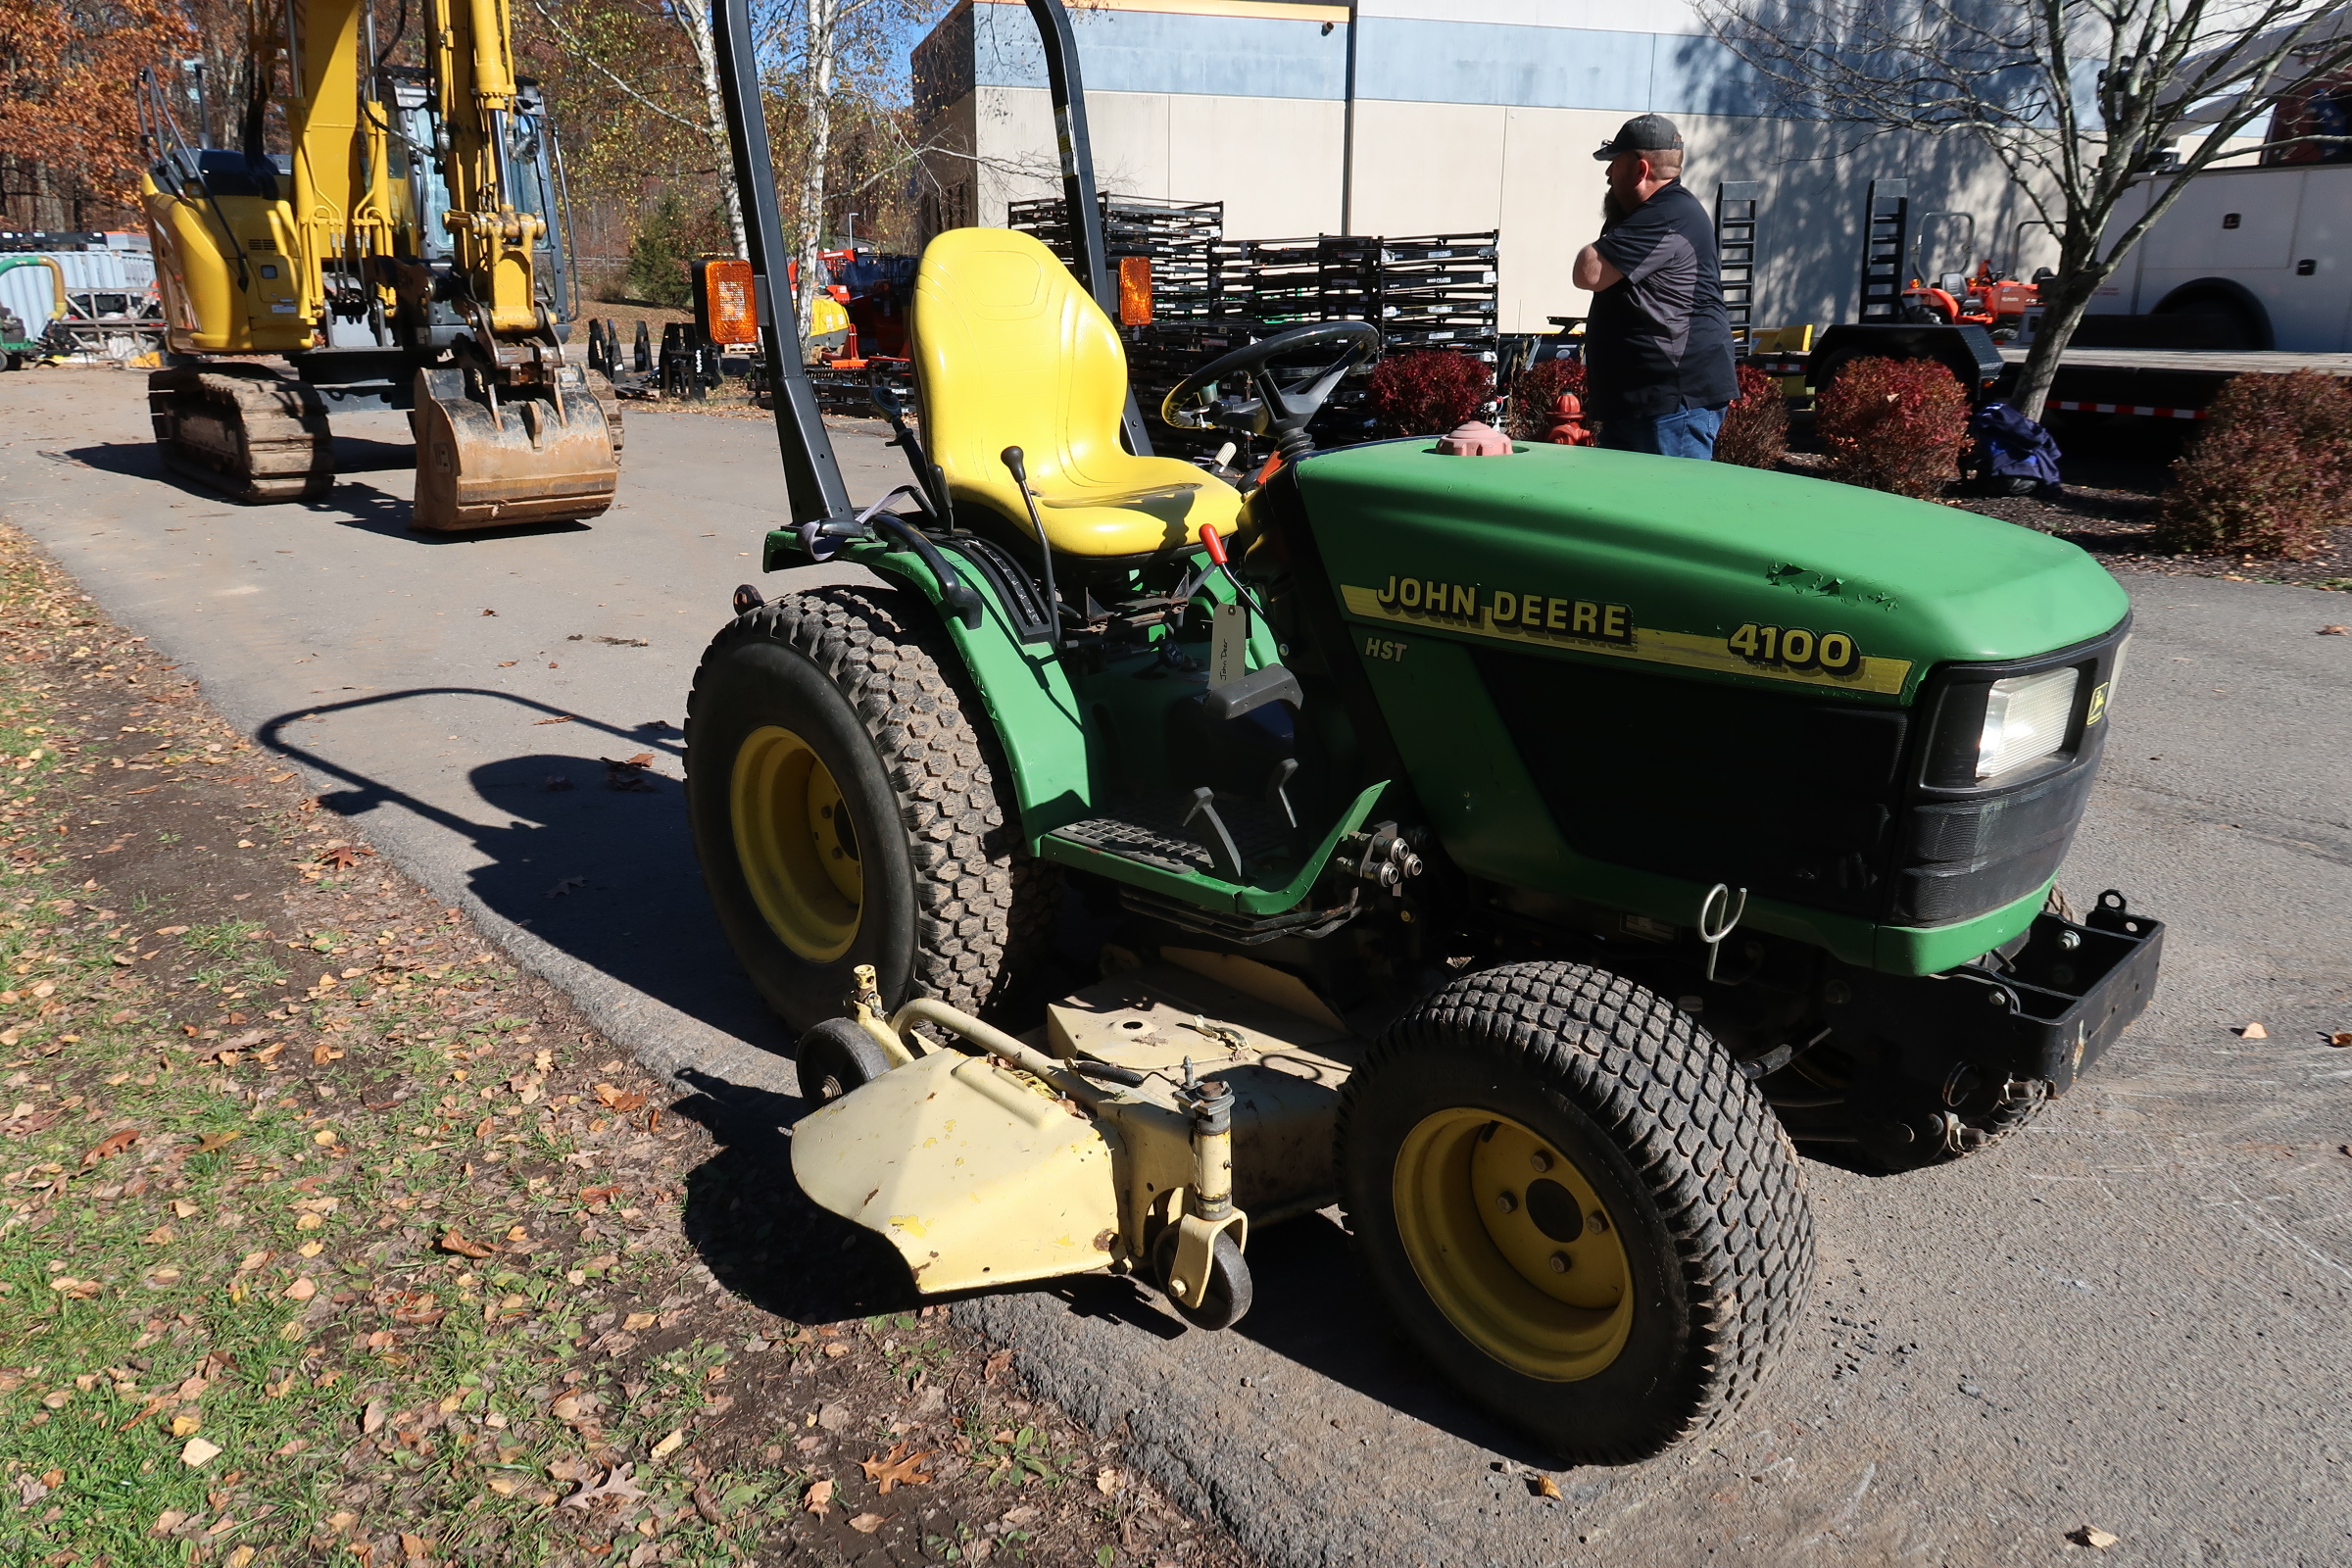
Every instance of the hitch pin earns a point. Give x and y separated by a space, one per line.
1719 913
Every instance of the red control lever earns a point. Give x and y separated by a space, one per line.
1212 544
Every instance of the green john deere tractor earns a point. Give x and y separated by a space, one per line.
1524 849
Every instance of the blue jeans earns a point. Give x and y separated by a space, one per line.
1685 433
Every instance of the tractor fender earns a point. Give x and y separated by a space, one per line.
1038 720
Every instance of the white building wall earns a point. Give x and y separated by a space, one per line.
1529 173
1497 131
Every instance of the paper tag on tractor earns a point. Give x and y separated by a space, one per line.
1229 645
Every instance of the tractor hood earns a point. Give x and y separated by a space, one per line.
1703 565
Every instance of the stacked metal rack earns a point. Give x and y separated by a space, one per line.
1423 291
1281 282
1210 294
1435 291
1182 239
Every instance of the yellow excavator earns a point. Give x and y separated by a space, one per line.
409 253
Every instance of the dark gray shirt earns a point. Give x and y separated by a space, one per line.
1657 340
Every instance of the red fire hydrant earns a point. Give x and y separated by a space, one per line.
1567 423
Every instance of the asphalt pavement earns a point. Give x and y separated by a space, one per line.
2136 1315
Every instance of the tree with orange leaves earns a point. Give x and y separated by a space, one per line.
69 69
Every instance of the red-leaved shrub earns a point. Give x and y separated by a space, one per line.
2272 472
1429 392
1894 424
1755 427
1536 389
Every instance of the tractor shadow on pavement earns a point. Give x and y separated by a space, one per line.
769 1244
1316 1308
585 850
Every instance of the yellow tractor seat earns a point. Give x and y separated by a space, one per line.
1011 352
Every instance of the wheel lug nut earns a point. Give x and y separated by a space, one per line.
1561 1263
1506 1201
1540 1160
1597 1220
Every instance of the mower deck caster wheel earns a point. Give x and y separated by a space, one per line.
1229 1288
836 1057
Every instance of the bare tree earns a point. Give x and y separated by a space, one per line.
821 42
843 59
696 20
2076 99
658 91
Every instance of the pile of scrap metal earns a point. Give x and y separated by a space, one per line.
76 295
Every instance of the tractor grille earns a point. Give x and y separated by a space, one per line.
1817 803
1786 795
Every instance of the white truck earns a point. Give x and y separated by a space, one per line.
2259 251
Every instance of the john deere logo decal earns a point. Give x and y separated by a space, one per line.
1597 626
2099 706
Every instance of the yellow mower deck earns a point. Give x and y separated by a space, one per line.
983 1173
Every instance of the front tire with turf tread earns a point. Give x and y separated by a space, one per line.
1706 1190
955 907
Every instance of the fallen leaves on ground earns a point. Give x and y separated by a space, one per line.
628 774
454 1240
895 1468
559 719
618 1099
369 1393
2335 631
616 1485
1543 1487
111 1144
2253 1031
2092 1536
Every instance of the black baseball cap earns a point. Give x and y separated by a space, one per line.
1643 133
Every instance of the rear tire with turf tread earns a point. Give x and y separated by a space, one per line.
955 907
1692 1167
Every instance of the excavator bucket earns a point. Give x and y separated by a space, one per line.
521 458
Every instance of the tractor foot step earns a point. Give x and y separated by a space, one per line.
1152 831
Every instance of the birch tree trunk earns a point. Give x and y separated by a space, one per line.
696 20
824 20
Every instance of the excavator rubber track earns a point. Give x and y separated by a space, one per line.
485 461
245 430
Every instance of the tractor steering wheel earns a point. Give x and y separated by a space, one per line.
1272 410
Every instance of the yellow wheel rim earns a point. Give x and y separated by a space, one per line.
796 845
1513 1245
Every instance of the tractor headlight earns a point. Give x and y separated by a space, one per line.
2025 718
